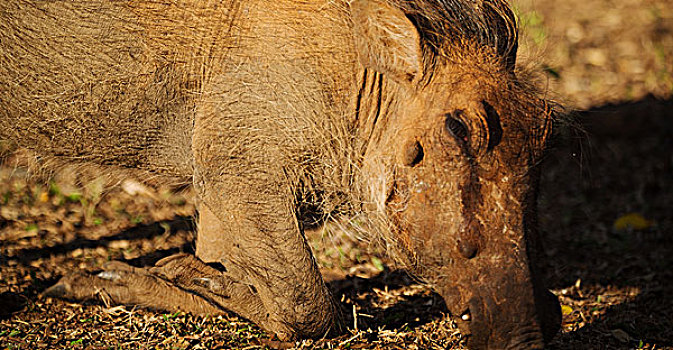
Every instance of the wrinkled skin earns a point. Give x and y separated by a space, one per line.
285 112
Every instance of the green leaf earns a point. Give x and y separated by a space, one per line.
377 263
74 197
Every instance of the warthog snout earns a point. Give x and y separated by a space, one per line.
508 315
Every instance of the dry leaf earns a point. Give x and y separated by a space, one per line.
632 220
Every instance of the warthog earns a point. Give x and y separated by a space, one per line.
406 117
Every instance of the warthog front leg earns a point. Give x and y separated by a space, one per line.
270 280
280 267
177 283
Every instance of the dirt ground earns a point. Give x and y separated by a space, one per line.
605 215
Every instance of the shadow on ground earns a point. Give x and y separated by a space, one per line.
139 232
615 161
400 310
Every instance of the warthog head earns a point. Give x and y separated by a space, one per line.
457 148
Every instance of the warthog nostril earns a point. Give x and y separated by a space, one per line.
412 154
467 249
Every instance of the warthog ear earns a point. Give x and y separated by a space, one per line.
386 40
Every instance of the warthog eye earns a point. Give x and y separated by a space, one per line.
457 127
494 127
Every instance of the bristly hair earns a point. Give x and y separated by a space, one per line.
486 22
